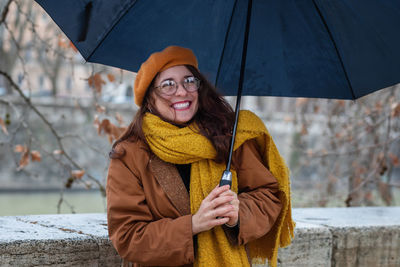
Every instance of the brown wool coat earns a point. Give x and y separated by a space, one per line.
148 208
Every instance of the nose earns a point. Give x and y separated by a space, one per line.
180 91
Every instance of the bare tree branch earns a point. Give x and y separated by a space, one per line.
50 126
5 12
83 141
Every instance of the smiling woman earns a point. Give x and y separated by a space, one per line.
163 200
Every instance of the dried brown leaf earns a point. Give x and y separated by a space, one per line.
69 182
35 155
111 77
394 159
103 126
112 131
383 168
119 118
384 191
95 81
72 46
65 43
20 149
395 110
348 200
62 42
3 126
77 174
24 160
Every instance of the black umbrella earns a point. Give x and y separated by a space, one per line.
297 48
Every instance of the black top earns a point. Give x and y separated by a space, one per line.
184 171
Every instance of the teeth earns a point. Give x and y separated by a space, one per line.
181 105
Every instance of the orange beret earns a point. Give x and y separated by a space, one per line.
158 62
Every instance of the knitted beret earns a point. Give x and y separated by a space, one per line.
158 62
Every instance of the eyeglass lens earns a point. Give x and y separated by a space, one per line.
169 87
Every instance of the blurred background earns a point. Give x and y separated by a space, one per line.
60 115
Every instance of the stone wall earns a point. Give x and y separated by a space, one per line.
323 237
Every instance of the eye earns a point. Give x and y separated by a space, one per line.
189 80
167 84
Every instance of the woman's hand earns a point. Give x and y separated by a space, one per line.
216 204
233 215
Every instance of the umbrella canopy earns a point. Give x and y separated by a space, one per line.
340 49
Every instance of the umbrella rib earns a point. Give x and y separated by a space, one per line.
225 42
110 29
336 49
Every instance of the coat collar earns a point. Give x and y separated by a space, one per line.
171 182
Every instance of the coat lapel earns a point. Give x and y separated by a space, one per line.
171 182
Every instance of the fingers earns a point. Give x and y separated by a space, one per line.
221 201
235 200
219 207
228 193
232 214
218 221
219 211
206 218
233 217
216 192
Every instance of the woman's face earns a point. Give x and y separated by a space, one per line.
181 106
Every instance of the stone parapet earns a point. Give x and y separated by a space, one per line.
360 236
323 237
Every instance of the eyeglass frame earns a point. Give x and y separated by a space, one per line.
197 82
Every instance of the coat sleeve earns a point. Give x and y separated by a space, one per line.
135 233
259 204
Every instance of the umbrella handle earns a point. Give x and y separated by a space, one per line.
226 179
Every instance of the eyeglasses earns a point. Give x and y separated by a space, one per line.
169 87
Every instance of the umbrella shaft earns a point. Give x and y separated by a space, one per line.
240 86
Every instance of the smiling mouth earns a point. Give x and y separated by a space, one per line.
181 105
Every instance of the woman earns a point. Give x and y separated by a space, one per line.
163 201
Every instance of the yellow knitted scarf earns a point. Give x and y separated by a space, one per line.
185 145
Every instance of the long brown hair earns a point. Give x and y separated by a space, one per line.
214 119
